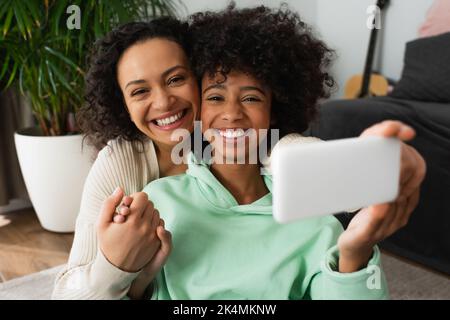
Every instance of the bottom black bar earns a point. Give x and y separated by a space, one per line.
217 309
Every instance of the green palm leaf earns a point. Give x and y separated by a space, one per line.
47 60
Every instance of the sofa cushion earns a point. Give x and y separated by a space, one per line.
426 70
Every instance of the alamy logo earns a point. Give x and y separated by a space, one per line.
374 280
374 19
74 20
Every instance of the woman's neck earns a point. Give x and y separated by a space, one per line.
166 166
244 181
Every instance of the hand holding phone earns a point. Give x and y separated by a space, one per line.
329 177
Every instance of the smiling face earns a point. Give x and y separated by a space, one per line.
234 112
159 89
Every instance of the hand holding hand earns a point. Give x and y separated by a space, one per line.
130 244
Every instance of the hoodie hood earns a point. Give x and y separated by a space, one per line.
219 197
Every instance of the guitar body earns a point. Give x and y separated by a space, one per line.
378 86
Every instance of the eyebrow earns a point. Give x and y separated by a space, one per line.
164 74
135 82
222 87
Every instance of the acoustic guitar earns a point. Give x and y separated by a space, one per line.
369 83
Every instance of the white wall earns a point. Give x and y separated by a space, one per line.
342 25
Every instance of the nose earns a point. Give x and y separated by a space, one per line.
162 100
232 111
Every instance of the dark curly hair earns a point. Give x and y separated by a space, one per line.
275 46
104 116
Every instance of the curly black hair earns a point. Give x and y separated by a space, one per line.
104 116
276 47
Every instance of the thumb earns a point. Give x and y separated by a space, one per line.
160 258
109 207
166 240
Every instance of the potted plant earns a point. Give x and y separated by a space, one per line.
43 45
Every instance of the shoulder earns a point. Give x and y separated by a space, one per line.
117 148
286 140
119 164
296 137
133 153
123 163
168 183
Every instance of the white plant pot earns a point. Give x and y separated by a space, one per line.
54 170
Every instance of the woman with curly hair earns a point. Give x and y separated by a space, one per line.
262 69
139 89
258 69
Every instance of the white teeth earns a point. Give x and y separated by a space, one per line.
232 133
169 120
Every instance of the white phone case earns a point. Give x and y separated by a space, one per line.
334 176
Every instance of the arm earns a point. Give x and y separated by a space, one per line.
124 248
368 283
144 280
375 223
347 271
88 274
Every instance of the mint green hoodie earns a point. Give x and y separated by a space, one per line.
223 250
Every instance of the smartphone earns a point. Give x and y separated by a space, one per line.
327 177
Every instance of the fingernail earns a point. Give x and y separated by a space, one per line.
123 210
119 218
116 192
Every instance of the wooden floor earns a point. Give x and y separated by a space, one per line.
25 247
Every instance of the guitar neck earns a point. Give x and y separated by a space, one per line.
369 62
381 4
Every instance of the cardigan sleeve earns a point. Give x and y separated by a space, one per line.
88 274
